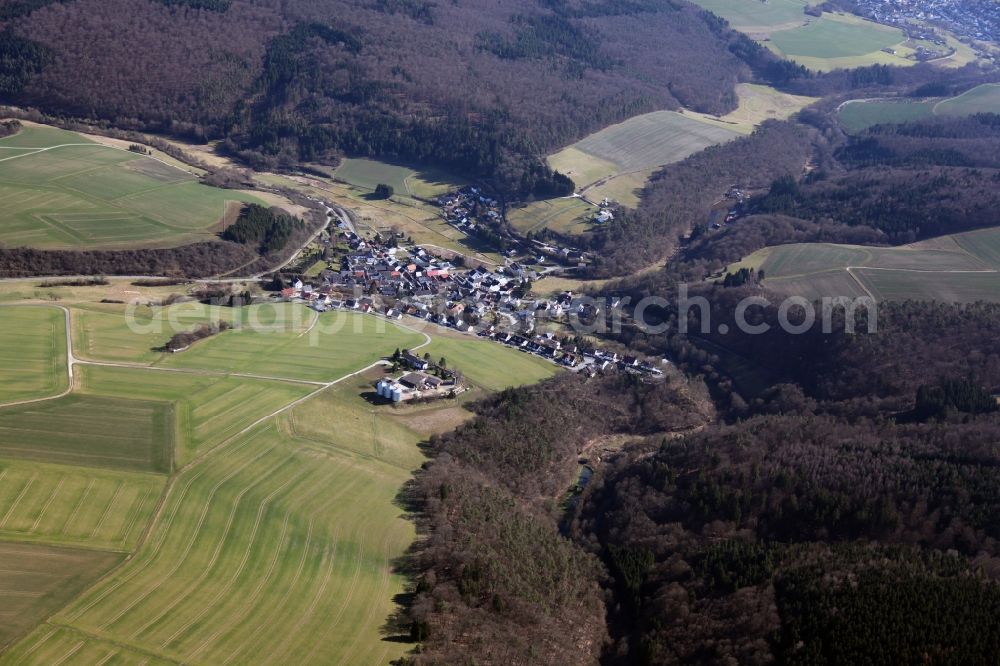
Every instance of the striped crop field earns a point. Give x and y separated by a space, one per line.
95 431
32 353
75 506
209 409
234 503
36 580
261 554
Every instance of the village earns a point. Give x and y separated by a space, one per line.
399 281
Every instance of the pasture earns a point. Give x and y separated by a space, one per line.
341 342
859 115
37 580
642 142
72 193
569 215
75 506
835 36
959 268
754 16
93 431
32 353
274 550
209 409
274 538
617 162
981 99
489 365
423 182
757 103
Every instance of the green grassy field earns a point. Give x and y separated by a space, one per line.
274 539
617 161
209 409
32 353
37 580
757 16
73 193
95 431
421 182
833 36
981 99
341 343
489 365
261 555
862 114
960 268
820 43
567 215
75 506
641 142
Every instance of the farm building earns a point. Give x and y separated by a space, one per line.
415 385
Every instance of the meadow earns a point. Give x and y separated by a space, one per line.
75 506
834 36
208 409
32 353
959 268
753 16
340 343
823 43
569 215
94 431
69 192
981 99
35 581
489 365
859 115
261 553
422 182
617 162
273 537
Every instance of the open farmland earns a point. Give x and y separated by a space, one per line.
489 365
93 431
209 409
261 554
630 150
981 99
69 192
32 353
340 343
568 215
753 16
75 506
960 268
823 43
616 162
256 547
859 115
37 580
641 142
420 182
833 37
